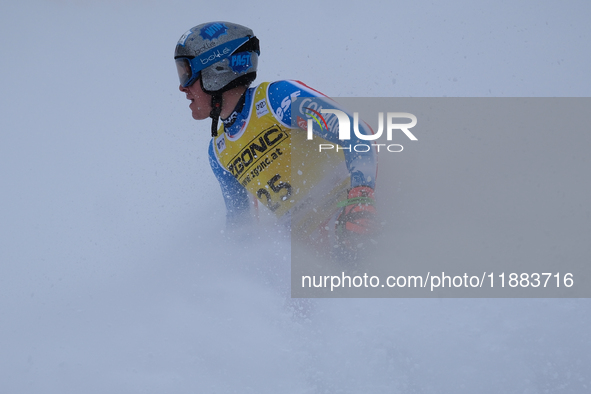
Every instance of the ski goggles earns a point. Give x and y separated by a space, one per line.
186 75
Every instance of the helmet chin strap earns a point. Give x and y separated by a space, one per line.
216 110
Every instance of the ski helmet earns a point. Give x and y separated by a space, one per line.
223 54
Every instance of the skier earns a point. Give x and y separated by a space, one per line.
260 150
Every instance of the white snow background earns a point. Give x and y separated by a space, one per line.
115 276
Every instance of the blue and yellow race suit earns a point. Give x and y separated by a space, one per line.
262 151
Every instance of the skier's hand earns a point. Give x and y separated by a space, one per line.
357 222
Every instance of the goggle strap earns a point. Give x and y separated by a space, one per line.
252 45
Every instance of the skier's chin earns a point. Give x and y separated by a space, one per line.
194 111
198 116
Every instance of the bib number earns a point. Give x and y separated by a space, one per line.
276 187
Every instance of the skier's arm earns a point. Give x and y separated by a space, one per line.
235 195
357 220
361 165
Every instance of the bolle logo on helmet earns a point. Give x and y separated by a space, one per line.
216 54
213 30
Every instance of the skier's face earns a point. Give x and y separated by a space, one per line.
200 101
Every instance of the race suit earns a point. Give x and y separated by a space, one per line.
262 151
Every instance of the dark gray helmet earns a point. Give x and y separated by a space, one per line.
223 54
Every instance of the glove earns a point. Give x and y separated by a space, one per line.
357 221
